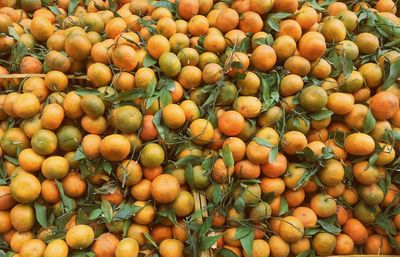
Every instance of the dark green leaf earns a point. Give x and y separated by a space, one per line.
385 223
394 74
189 175
228 156
316 6
40 211
107 166
242 232
150 239
369 122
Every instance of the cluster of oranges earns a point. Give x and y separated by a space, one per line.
283 113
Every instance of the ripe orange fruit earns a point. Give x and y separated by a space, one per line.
80 236
263 58
25 188
356 230
384 105
127 247
359 144
57 247
231 123
171 248
324 243
115 147
165 188
323 205
105 245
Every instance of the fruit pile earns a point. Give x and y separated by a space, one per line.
284 114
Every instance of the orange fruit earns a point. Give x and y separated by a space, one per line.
165 188
359 144
384 105
115 147
127 247
80 236
263 58
25 188
323 205
231 123
356 230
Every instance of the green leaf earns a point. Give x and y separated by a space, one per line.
312 231
216 194
316 6
273 154
106 166
67 202
54 9
329 227
385 223
162 130
284 207
87 91
246 236
166 4
165 98
130 95
79 154
189 175
207 241
369 122
107 210
95 214
151 88
263 142
239 204
13 33
321 115
228 156
394 74
149 61
126 211
224 252
273 23
12 160
40 211
150 239
72 6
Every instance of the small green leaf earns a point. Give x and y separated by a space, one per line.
162 130
12 160
72 6
151 88
79 154
150 239
13 33
225 252
241 232
130 95
321 115
263 142
273 154
149 61
284 207
239 204
87 91
126 211
40 211
228 156
67 202
95 214
107 210
329 227
165 98
369 122
394 74
207 241
54 9
189 175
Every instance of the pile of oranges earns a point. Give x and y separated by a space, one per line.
284 114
